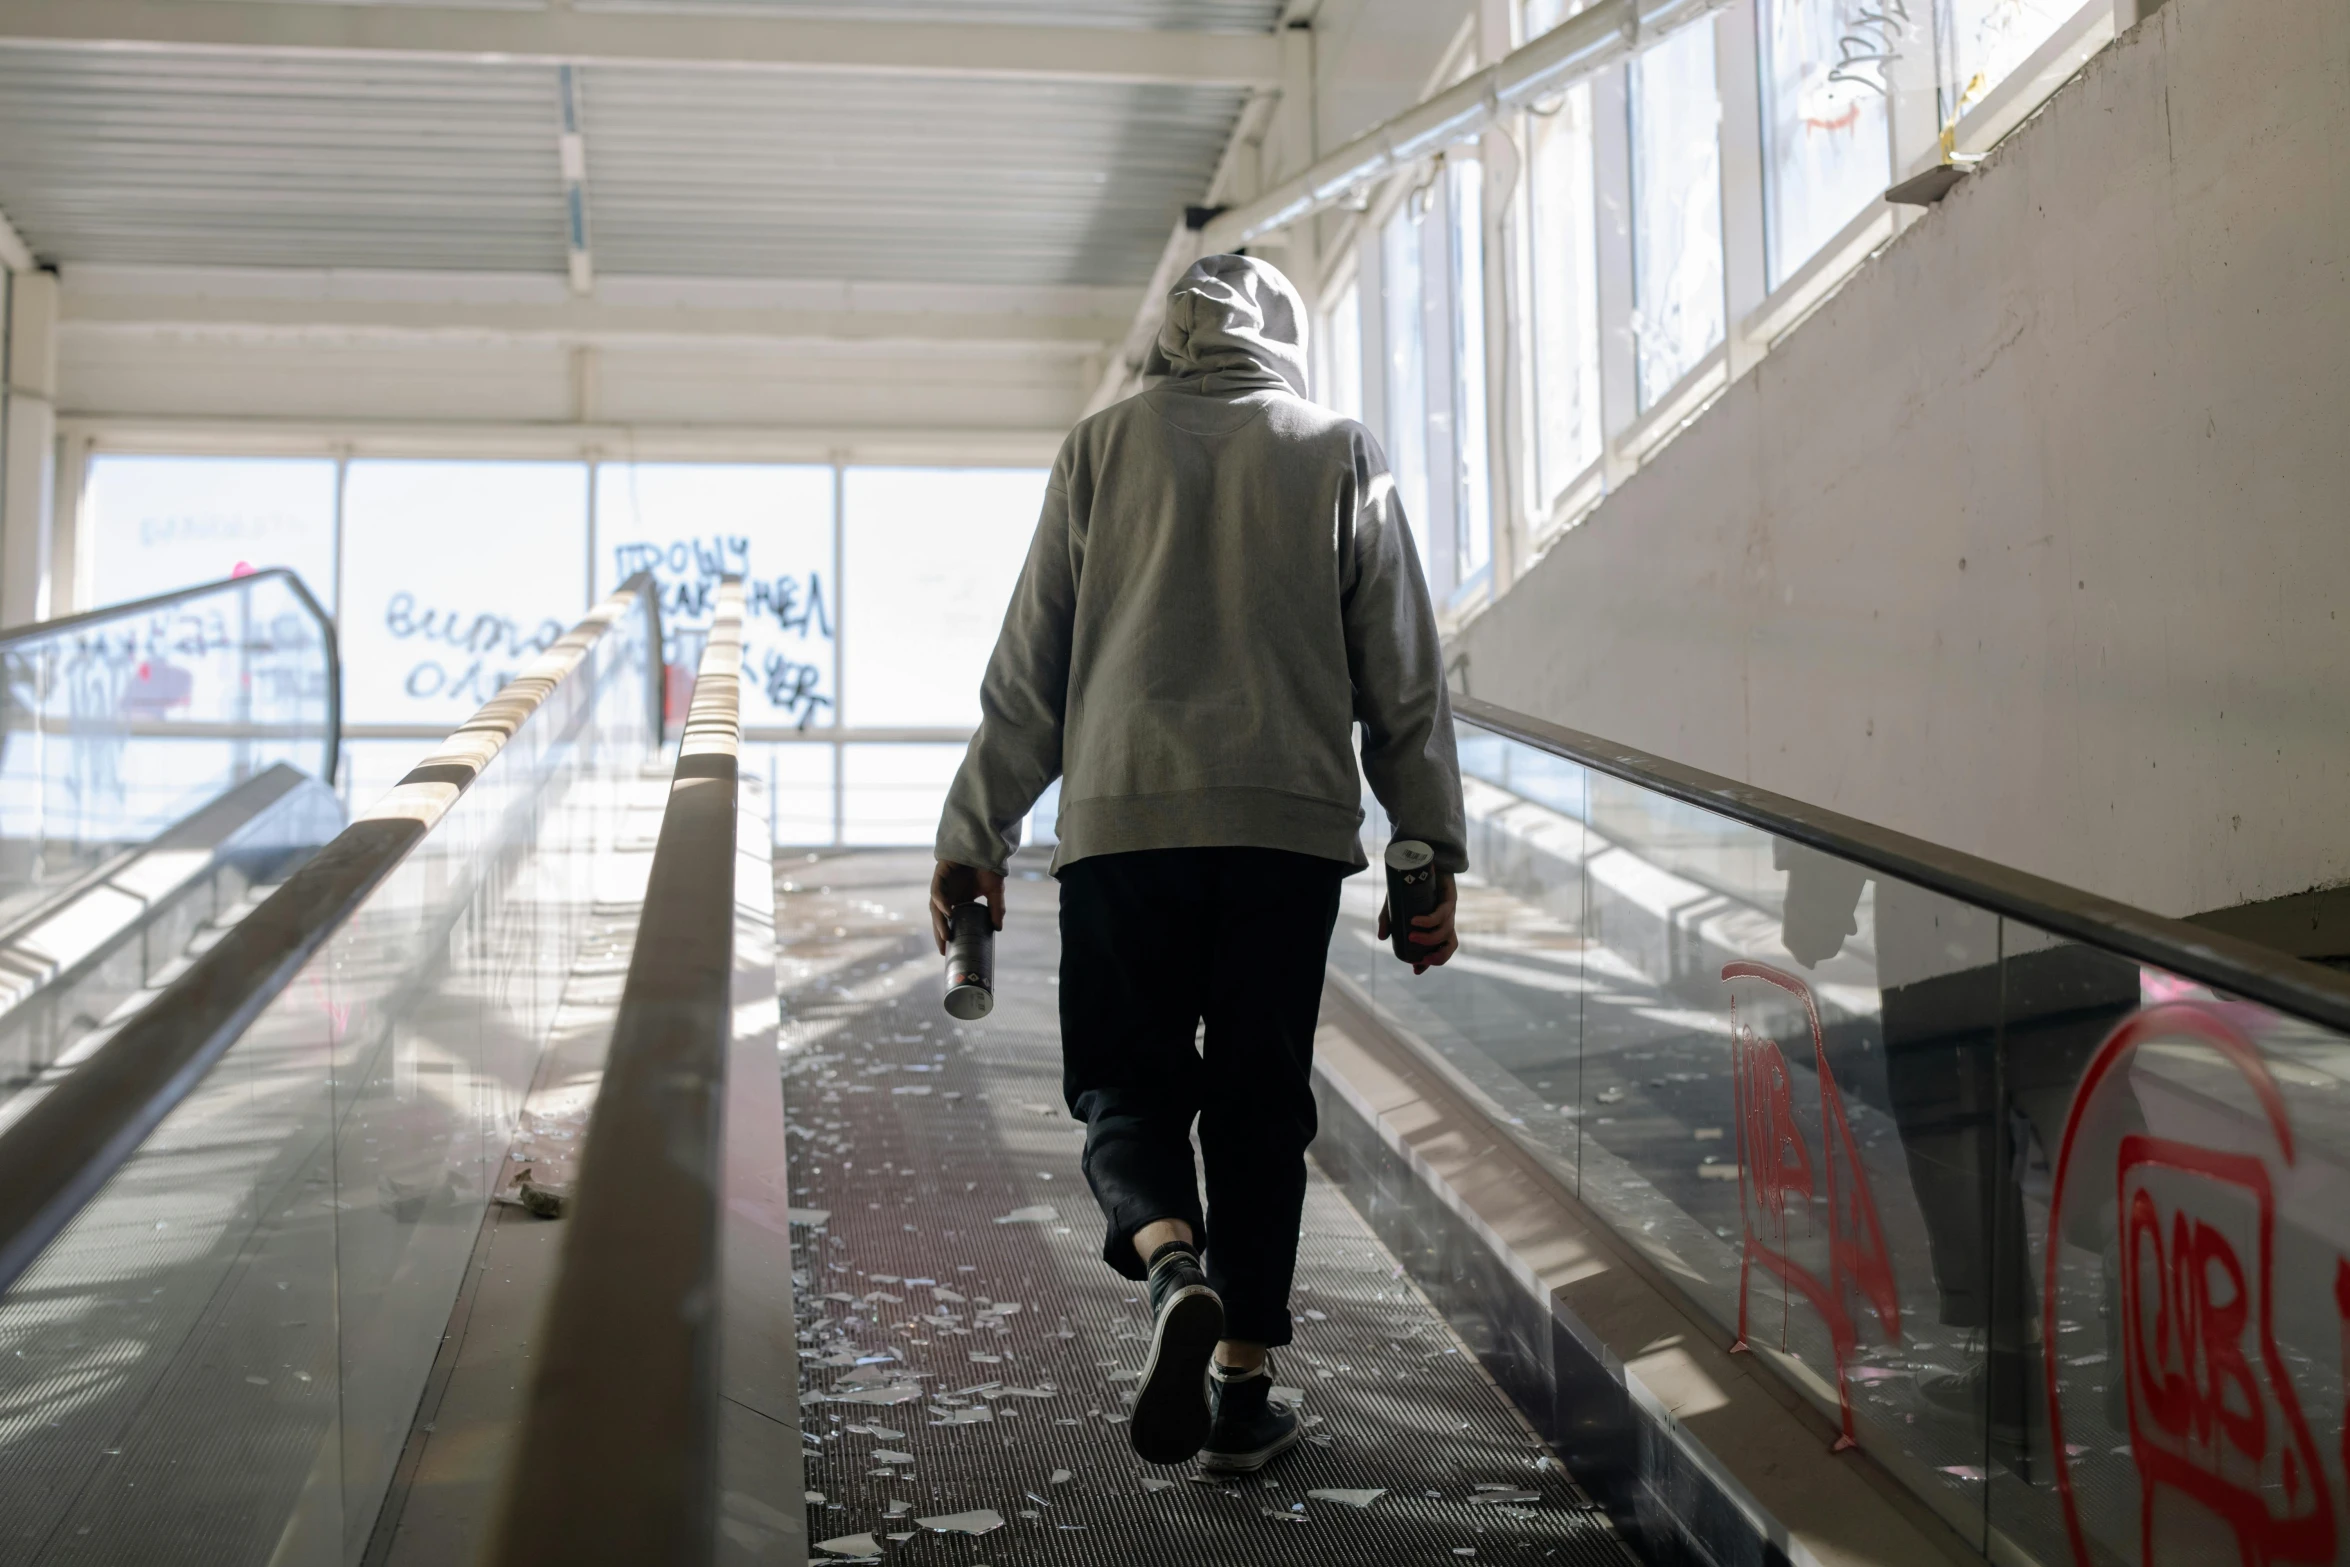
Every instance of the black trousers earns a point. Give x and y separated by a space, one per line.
1152 944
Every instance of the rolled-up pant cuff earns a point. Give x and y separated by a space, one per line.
1130 1218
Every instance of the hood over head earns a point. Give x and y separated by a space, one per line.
1233 324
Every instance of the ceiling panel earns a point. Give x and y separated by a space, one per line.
834 175
1207 16
274 160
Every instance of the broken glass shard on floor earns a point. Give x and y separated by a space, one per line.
851 1545
1041 1213
1348 1497
900 1393
978 1521
888 1455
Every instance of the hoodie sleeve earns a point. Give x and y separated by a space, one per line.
1397 663
1022 700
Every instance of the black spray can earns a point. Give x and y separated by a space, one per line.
970 962
1411 892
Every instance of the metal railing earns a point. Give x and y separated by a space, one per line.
2292 985
618 1452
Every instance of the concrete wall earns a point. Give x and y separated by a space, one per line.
2035 540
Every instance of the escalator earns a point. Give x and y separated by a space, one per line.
1756 1186
163 765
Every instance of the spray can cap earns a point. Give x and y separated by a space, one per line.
1408 854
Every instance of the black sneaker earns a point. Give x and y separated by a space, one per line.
1248 1430
1170 1418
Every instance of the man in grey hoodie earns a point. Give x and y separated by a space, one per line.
1222 585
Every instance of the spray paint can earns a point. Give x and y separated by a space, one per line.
970 962
1411 892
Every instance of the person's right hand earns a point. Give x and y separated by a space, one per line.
1432 930
952 886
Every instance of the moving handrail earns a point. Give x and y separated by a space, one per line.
617 1457
62 1151
2291 985
66 627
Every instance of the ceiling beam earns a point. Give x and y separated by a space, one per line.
165 301
716 41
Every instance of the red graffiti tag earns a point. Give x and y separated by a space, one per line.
2212 1409
1775 1163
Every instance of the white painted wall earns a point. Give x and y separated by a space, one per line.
2035 541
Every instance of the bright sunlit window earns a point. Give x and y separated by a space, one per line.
455 575
157 524
1562 256
1471 465
1406 370
1341 390
1679 310
691 524
1982 41
930 557
1826 150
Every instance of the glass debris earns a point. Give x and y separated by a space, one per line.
1040 1213
977 1521
851 1545
1349 1498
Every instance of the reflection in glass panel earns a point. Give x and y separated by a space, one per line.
1564 262
228 1343
2172 1286
1406 436
455 576
892 794
691 524
1341 390
157 524
1981 41
934 554
1465 182
1765 1067
1826 148
1677 280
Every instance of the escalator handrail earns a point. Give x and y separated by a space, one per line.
63 1150
2247 969
617 1456
44 630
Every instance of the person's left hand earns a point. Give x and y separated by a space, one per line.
1432 930
952 886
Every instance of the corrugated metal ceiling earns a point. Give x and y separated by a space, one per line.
259 159
226 159
833 175
1205 16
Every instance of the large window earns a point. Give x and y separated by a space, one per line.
1471 464
692 524
455 576
932 555
1401 307
1563 260
1981 41
1341 388
871 611
1827 154
157 524
1677 276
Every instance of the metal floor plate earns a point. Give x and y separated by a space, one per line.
948 1242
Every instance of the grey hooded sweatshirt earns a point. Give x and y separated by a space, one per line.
1221 586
